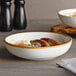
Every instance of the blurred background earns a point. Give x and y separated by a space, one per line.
46 9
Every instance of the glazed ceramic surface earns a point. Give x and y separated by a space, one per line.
68 20
38 53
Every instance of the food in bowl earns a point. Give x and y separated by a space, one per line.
38 53
68 17
43 42
71 15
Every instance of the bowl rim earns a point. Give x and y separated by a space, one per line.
64 10
68 42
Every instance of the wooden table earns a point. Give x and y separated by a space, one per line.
13 66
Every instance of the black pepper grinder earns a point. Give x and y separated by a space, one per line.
19 20
5 16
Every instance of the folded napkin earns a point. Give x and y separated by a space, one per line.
69 64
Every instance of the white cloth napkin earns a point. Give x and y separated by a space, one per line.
69 64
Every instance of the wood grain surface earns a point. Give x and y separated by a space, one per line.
11 65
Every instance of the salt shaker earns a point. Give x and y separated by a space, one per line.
19 20
5 16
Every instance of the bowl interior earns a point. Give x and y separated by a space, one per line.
37 35
67 12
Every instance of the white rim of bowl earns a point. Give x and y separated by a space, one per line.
65 10
5 42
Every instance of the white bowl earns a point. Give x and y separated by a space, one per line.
38 53
66 19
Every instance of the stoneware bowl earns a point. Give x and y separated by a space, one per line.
38 53
67 18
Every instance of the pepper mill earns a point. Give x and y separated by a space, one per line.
19 20
5 16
